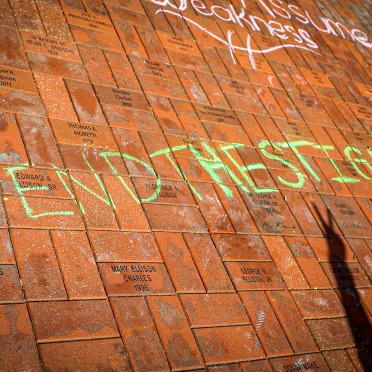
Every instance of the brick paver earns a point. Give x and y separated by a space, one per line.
185 185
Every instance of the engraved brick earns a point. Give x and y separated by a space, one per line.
72 320
50 46
89 20
186 46
310 362
163 191
344 275
31 181
85 135
254 275
216 114
129 279
270 213
17 79
343 209
121 97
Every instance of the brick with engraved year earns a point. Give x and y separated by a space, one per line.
89 20
121 97
216 114
254 275
128 279
81 134
180 44
17 79
155 68
50 46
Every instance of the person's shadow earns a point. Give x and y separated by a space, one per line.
359 324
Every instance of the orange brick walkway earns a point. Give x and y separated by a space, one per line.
185 185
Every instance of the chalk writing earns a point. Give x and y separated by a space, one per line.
210 160
237 16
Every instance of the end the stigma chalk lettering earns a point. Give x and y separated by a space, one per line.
237 15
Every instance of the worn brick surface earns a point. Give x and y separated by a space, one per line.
185 185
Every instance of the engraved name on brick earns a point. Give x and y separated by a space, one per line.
50 46
135 278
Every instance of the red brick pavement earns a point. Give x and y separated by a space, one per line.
185 185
